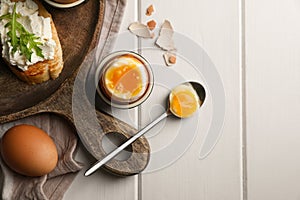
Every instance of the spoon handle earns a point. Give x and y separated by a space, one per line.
115 152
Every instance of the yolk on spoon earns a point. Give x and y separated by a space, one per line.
184 102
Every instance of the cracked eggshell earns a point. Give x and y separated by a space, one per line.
170 58
165 38
140 30
151 25
150 10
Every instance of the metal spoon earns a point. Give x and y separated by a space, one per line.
201 94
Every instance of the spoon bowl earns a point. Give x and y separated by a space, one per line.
199 90
198 93
185 99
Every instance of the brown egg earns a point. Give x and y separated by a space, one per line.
29 150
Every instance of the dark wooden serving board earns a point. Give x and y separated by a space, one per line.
78 29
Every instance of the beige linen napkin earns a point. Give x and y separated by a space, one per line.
54 185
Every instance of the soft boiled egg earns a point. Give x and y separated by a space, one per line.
125 79
29 150
184 101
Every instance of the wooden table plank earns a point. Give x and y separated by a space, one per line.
273 94
215 26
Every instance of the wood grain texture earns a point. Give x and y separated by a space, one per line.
214 25
101 185
17 95
60 102
273 94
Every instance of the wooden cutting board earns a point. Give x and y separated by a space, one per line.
78 29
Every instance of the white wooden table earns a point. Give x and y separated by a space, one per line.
255 46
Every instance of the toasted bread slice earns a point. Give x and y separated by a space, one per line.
43 71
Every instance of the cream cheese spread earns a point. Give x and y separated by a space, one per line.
33 23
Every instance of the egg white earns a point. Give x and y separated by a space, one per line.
126 60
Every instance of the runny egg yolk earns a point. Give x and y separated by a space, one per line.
184 102
124 79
